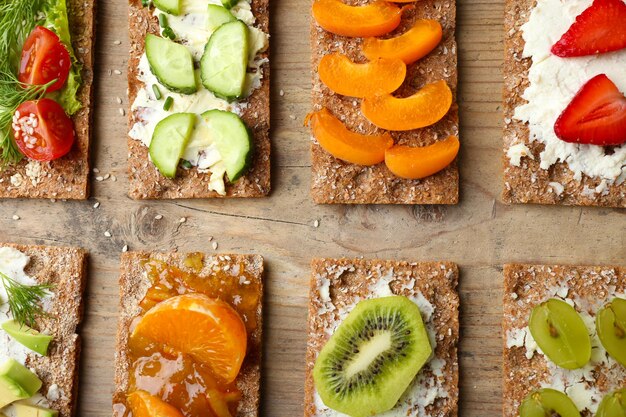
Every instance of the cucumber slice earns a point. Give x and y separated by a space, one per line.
225 61
229 3
218 15
169 6
169 141
232 139
172 64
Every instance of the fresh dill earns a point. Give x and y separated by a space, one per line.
25 300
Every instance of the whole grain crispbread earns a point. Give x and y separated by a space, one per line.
67 177
145 180
338 284
133 286
335 181
529 183
66 269
525 286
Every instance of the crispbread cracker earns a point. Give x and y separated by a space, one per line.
145 180
335 181
525 286
133 286
66 269
528 183
336 286
67 177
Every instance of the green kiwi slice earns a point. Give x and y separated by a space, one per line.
372 357
547 402
613 405
611 327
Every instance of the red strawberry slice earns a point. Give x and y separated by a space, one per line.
596 115
601 28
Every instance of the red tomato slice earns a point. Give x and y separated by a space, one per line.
42 130
44 59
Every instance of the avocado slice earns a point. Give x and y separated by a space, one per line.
16 382
28 337
27 410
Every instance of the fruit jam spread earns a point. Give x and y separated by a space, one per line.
178 379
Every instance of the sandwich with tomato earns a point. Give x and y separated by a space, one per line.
45 94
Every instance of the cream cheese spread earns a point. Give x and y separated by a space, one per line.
553 83
192 31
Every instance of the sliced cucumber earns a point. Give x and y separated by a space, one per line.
172 64
232 139
229 3
225 61
169 6
169 141
218 15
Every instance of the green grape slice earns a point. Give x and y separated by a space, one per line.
546 402
613 405
611 327
561 334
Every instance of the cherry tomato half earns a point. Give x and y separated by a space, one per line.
44 59
42 130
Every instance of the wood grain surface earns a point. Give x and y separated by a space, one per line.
480 234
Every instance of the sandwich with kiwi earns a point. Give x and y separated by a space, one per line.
45 94
382 339
564 334
40 309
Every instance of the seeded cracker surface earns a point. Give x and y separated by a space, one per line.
65 268
528 183
351 280
67 177
339 182
525 286
145 180
133 286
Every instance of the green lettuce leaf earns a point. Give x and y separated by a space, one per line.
57 21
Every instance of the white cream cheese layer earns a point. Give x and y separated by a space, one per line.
12 264
425 389
555 81
191 30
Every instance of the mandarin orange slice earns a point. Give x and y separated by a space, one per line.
336 139
373 19
143 404
424 108
221 402
411 46
415 163
379 76
207 329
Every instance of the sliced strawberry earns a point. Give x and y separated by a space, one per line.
601 28
596 115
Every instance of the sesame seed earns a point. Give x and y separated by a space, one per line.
214 245
158 217
125 248
182 220
119 100
99 178
117 42
316 223
292 117
282 93
210 238
107 233
107 176
95 170
117 72
96 205
113 178
122 111
16 217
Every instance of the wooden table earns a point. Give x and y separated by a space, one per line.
480 234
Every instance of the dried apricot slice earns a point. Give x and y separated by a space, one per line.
379 76
411 46
373 19
424 108
207 329
415 163
336 139
143 404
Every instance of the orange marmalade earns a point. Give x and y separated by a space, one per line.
177 378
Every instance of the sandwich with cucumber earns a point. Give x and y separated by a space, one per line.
45 90
199 92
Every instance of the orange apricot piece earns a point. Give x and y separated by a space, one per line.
411 46
373 19
143 404
379 76
424 108
336 139
415 163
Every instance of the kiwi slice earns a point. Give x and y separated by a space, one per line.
372 357
561 334
613 405
548 402
611 327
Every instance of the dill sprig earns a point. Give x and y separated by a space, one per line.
24 300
